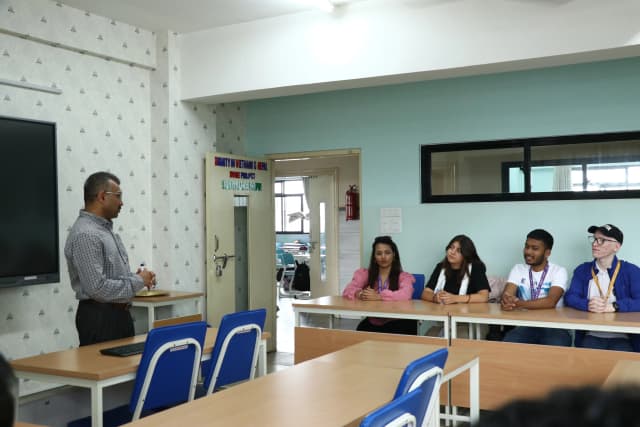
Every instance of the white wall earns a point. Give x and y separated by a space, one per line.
111 116
383 41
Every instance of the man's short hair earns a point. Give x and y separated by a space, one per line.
586 406
543 235
8 393
96 183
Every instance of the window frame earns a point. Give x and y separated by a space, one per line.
279 197
526 144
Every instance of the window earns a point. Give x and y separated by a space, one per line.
552 168
292 215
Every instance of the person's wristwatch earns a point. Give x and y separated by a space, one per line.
616 307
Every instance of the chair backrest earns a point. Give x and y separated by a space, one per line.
168 370
418 286
288 260
427 371
405 410
235 351
177 320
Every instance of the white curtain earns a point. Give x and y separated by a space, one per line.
306 183
562 178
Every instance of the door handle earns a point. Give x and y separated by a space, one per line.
222 259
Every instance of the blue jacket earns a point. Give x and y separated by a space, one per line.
626 290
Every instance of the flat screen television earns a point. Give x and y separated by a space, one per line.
29 250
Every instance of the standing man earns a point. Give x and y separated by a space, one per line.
99 266
538 284
605 285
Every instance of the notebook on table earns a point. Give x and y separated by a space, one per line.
124 350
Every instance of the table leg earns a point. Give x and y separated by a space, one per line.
474 392
96 406
151 317
262 358
331 321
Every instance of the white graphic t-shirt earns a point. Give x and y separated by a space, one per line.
556 276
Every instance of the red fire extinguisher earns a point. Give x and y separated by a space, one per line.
352 203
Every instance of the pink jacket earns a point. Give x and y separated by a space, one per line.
359 281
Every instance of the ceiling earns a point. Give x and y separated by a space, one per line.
184 16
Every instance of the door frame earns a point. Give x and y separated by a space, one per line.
301 156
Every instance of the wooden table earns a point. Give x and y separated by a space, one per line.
151 303
319 392
625 372
338 305
87 367
380 354
560 318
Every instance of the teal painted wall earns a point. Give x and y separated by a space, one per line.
388 124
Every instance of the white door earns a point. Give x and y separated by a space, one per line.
240 237
323 236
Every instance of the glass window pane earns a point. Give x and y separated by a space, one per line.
277 187
607 165
471 171
294 187
293 213
323 243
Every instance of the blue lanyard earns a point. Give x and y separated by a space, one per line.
535 292
382 286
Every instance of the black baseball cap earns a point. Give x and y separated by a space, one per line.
608 230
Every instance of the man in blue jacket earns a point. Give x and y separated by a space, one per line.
605 285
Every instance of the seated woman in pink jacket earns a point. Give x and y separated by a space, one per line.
384 280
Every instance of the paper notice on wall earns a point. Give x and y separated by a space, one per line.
390 220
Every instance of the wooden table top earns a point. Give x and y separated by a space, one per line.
397 355
333 390
310 394
625 372
554 315
171 296
414 306
88 363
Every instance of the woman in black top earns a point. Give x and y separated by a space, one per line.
460 277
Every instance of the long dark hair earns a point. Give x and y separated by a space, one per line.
396 266
469 256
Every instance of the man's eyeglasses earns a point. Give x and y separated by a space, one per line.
599 240
118 194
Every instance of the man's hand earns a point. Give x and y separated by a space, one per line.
148 277
509 302
600 305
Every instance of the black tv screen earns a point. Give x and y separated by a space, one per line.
29 252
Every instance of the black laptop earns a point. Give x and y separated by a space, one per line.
124 350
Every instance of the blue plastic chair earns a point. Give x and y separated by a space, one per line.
426 371
235 351
405 410
168 371
167 374
418 286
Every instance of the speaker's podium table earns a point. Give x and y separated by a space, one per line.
161 298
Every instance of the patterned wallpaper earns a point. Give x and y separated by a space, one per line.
112 115
230 132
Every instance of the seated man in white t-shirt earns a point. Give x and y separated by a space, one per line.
538 284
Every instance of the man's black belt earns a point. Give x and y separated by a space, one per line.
116 305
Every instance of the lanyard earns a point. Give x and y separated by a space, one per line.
611 282
382 286
535 291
